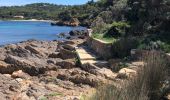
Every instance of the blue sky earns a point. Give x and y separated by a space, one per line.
23 2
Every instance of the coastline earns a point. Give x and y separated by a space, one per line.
32 20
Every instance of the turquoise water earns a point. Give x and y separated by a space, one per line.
17 31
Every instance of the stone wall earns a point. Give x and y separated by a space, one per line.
103 49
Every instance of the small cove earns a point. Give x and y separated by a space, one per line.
17 31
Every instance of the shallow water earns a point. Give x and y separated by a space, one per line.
17 31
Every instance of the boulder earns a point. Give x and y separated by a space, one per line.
54 55
8 47
20 74
50 61
6 68
104 72
67 64
58 23
68 47
61 35
78 33
52 67
3 64
19 51
107 73
67 54
27 66
34 50
74 33
126 73
69 42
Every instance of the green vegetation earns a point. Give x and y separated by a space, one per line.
147 85
84 13
32 11
104 38
123 46
55 94
43 98
137 24
51 95
157 45
118 29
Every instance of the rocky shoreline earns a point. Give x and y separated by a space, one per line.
50 70
72 22
32 70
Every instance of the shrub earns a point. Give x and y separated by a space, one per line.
157 45
154 74
147 85
107 16
122 47
99 26
118 29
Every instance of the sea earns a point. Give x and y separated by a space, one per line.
18 31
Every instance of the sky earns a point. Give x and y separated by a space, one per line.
23 2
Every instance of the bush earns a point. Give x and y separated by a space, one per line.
99 26
107 16
147 85
118 29
157 45
122 47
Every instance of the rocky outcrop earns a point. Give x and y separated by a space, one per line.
103 72
35 70
20 74
126 73
74 22
25 65
130 70
8 87
81 77
54 55
67 64
71 22
5 68
78 33
66 51
18 51
74 34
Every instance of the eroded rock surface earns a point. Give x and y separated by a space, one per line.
41 70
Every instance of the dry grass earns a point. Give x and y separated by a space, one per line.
147 85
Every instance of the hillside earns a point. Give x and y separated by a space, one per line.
32 11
